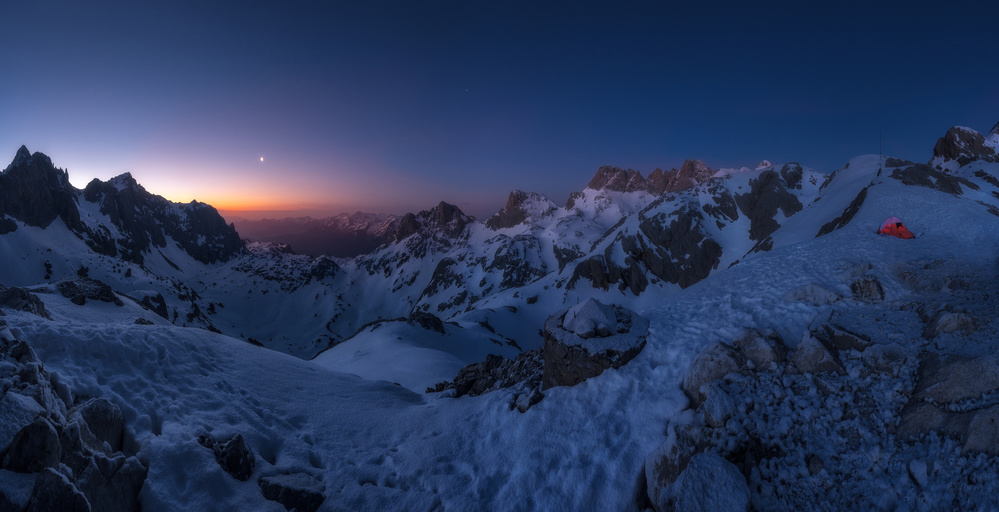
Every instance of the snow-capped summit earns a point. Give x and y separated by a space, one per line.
764 164
521 207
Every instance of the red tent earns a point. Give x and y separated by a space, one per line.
894 227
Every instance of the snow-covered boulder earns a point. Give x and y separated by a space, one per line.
947 322
664 466
709 483
589 319
713 363
613 336
813 356
762 348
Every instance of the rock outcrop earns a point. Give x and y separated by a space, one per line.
965 146
75 455
583 341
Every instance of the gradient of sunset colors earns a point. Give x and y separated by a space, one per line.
320 107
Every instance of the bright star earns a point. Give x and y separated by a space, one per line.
261 159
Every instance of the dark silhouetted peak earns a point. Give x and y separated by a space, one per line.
446 219
964 145
617 179
22 156
994 133
520 206
125 181
33 191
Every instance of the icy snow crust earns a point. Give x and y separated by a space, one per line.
381 446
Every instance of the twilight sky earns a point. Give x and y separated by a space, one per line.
394 106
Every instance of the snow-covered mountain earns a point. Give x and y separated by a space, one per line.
705 255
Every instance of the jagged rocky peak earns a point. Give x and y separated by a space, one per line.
444 218
22 156
617 179
520 207
691 173
764 164
964 145
35 192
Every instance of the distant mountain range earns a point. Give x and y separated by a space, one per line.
624 237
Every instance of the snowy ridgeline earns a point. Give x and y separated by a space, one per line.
842 371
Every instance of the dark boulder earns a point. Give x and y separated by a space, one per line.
34 447
53 491
295 491
112 484
104 420
232 455
22 300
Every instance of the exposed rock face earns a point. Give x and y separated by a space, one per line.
925 176
672 247
691 173
146 220
617 179
768 194
954 395
520 207
232 455
296 491
571 359
444 219
39 435
847 215
964 145
34 192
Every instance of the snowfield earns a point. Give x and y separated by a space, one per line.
357 419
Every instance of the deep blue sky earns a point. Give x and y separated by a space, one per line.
394 106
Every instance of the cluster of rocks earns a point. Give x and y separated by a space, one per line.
781 428
580 343
294 490
55 455
764 410
659 182
83 288
20 299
